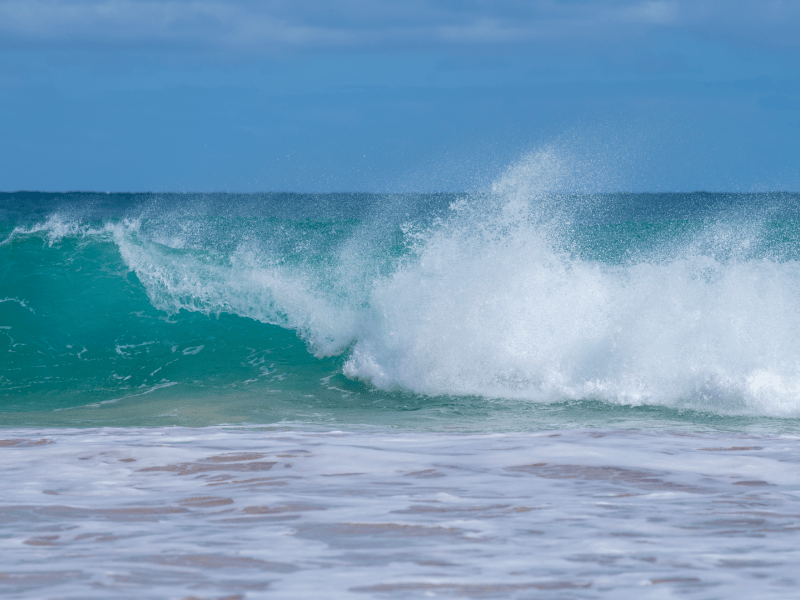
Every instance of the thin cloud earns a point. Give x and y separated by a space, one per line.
657 12
302 25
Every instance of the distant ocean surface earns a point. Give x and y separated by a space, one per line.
656 336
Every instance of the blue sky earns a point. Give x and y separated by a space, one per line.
421 95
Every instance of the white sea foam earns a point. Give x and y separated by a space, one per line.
22 303
55 228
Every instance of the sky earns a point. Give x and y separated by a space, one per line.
390 96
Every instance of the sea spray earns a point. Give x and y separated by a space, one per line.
494 304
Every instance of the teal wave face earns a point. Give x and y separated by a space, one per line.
80 329
274 307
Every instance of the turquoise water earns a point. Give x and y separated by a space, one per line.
509 310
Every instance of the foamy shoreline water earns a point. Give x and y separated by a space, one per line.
296 512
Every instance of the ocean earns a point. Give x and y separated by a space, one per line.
512 393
